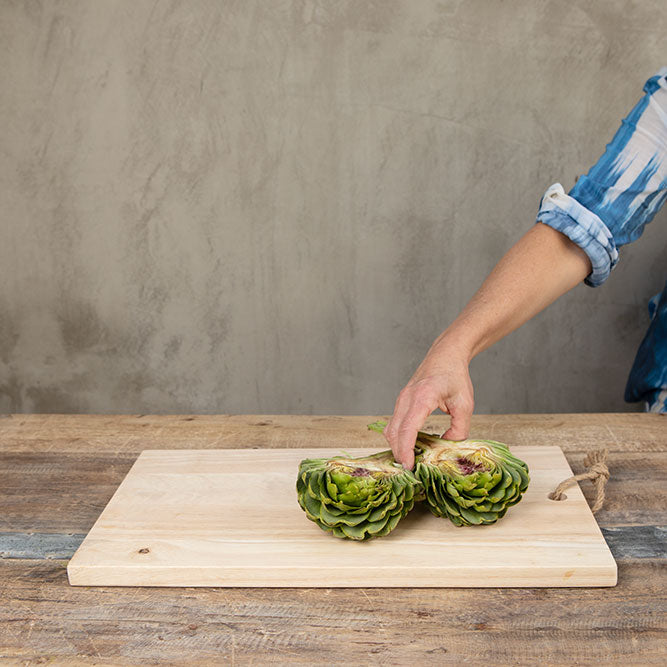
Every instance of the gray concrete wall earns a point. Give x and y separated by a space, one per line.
276 205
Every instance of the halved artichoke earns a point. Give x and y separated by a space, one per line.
470 481
356 498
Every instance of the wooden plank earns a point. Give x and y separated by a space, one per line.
624 432
637 541
625 542
230 518
42 618
32 490
32 498
32 546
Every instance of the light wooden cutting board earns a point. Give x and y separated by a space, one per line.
231 518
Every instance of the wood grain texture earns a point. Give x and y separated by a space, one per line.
74 464
625 542
42 617
230 518
66 491
39 545
625 432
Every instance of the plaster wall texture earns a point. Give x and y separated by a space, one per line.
276 205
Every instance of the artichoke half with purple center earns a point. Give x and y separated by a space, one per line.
356 498
471 482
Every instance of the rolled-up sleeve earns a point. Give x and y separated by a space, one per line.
566 215
610 206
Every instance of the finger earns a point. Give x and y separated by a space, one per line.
461 414
402 405
407 431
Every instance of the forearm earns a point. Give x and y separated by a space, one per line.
538 269
577 240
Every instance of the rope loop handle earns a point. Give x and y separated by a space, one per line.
597 472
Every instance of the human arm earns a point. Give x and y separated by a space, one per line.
540 267
579 238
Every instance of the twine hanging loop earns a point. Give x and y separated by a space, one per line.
597 471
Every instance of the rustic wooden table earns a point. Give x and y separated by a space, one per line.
57 473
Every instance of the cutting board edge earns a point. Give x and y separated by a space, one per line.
603 576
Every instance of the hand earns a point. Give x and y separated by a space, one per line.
441 381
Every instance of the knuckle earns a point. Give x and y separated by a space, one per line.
404 393
423 394
428 393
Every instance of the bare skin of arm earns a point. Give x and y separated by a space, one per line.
540 267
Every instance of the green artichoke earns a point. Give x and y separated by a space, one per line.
356 498
471 482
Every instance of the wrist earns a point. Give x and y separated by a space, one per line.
453 343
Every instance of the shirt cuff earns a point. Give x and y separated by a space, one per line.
566 215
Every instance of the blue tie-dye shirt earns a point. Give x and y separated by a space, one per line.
609 207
